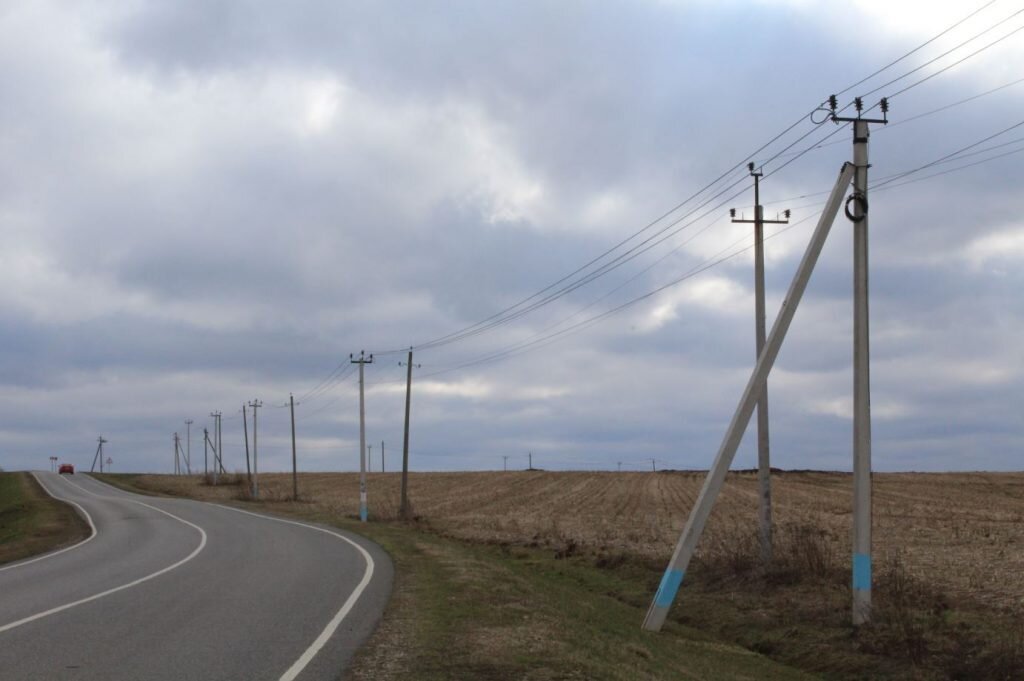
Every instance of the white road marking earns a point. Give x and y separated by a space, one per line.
88 519
332 626
67 606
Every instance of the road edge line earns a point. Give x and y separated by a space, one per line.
81 510
307 656
102 594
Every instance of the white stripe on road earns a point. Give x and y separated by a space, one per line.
332 626
67 606
88 519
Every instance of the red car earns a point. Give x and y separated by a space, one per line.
66 468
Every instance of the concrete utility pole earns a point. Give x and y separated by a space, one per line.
505 458
861 361
382 456
653 468
362 361
99 455
206 455
531 460
177 449
255 404
188 445
369 455
245 431
403 510
687 543
295 469
764 467
216 446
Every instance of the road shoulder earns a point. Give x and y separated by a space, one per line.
32 522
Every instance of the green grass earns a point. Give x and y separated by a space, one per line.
33 522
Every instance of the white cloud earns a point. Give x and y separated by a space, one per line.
997 249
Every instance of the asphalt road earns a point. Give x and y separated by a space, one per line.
179 589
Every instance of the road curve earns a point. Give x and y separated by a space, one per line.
177 589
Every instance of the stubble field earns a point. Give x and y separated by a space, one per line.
962 533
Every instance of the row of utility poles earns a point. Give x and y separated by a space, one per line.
183 456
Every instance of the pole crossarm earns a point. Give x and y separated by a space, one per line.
687 543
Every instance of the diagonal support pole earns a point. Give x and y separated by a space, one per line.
687 543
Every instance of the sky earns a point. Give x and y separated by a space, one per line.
206 204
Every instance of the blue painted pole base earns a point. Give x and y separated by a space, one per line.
670 582
362 513
862 572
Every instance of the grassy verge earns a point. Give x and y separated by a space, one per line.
33 522
461 610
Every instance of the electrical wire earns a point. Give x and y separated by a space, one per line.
947 171
947 52
893 178
918 48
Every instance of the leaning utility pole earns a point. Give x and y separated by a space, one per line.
687 544
764 469
188 445
255 404
245 431
861 360
403 509
295 470
216 446
99 455
362 434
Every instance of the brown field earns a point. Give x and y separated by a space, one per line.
961 532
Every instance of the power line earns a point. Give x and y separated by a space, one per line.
916 49
947 52
898 176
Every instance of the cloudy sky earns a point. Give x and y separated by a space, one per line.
208 203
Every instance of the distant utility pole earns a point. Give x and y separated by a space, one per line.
99 455
382 456
530 455
505 458
764 469
369 455
362 361
216 446
403 509
295 470
177 449
687 543
188 445
620 466
861 359
245 431
255 404
653 469
206 455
